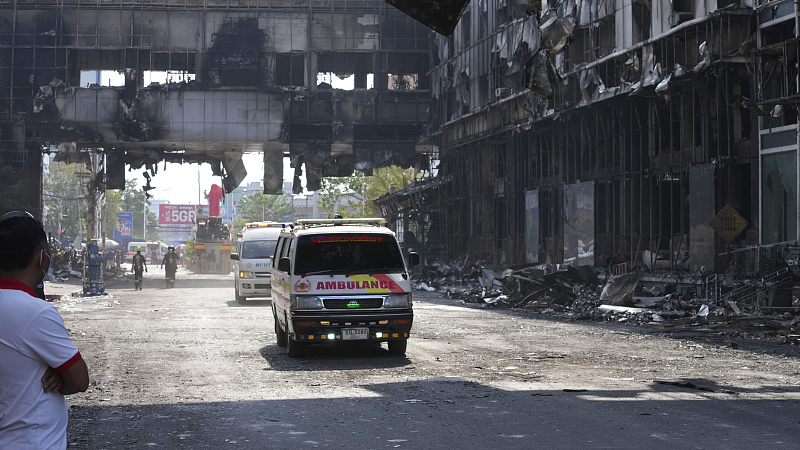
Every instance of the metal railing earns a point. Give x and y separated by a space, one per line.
748 293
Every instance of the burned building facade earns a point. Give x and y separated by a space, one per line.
615 132
637 132
241 76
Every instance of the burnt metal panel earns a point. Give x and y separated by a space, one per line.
779 197
273 171
234 167
371 156
532 226
579 223
701 213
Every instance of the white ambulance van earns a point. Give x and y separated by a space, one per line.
252 260
340 280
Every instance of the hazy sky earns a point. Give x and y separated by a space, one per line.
178 183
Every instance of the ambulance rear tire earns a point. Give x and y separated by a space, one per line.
398 347
280 335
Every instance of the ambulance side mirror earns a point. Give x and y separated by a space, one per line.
235 256
284 265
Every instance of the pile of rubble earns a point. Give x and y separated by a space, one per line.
582 293
64 270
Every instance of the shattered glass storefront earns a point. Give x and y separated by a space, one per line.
778 197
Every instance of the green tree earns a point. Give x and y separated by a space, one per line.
64 197
345 196
261 207
388 179
113 206
352 196
133 200
65 202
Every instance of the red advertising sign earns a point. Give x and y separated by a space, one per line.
176 214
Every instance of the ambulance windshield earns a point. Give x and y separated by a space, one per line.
366 253
258 249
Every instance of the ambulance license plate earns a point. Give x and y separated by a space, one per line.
355 333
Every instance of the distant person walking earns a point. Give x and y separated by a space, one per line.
39 363
170 264
139 265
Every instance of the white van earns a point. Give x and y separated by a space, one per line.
341 280
252 260
132 250
153 251
156 251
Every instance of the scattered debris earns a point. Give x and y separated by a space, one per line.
630 297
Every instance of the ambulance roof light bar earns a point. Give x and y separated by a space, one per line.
263 224
374 221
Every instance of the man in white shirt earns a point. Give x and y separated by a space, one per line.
39 363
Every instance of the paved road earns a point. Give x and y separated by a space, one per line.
190 368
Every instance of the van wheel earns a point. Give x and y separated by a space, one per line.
293 348
280 335
239 299
398 347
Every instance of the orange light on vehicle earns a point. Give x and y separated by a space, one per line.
383 322
324 322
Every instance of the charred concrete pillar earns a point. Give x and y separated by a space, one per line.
311 70
360 81
380 63
297 183
131 73
115 169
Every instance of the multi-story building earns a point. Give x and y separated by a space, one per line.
603 132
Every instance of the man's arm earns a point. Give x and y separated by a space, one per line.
75 378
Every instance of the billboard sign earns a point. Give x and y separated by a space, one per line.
176 214
123 230
169 214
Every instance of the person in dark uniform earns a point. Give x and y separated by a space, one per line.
139 264
170 264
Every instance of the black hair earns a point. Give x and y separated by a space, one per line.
19 239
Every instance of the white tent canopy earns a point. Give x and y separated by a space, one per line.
111 243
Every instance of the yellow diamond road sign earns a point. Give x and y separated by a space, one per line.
728 223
